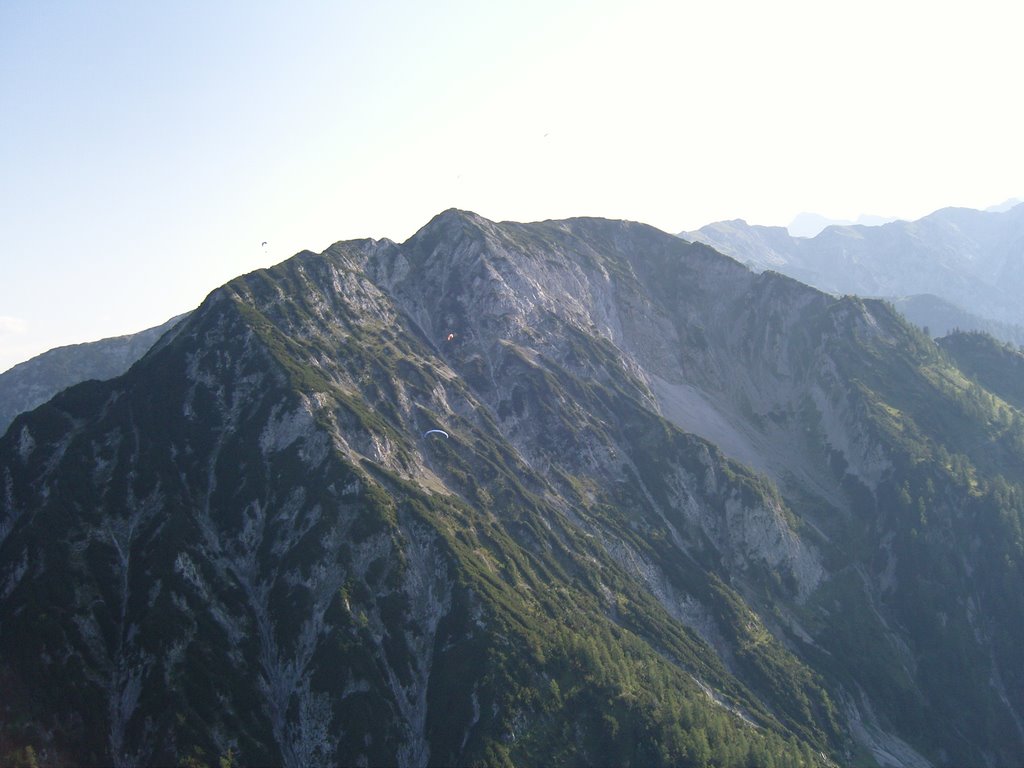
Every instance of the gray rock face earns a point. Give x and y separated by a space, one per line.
664 474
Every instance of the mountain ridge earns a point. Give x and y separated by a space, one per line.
963 256
33 382
251 522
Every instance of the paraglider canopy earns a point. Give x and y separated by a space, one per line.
435 432
451 336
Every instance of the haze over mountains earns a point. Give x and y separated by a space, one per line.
686 513
810 224
956 267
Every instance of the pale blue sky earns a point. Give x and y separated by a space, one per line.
148 149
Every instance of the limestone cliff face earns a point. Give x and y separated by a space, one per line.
663 472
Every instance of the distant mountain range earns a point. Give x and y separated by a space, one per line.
954 268
810 224
565 493
940 317
35 381
1006 205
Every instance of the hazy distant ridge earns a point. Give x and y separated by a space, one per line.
35 381
968 258
810 224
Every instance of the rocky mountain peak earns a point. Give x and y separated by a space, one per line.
516 493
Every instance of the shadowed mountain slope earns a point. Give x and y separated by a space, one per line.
35 381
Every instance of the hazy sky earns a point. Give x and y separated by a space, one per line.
148 149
